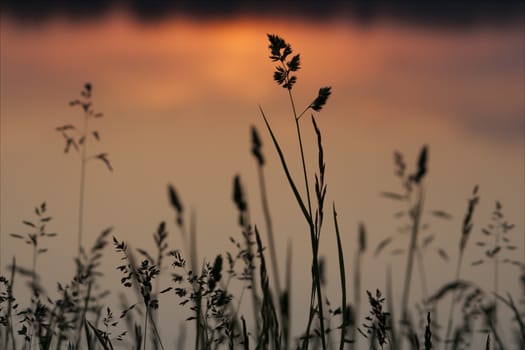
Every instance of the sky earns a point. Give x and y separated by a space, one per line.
180 90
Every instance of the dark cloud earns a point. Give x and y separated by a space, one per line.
429 12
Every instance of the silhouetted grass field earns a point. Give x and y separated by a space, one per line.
241 298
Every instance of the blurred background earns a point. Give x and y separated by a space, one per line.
180 85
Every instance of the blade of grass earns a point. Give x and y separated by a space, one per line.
300 201
256 149
361 239
246 339
83 314
343 280
89 340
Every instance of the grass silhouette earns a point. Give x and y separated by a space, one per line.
216 290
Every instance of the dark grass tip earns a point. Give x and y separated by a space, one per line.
319 102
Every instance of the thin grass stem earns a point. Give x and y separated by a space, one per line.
314 238
269 229
422 273
82 186
416 218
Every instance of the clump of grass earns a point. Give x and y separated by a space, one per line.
206 297
103 336
46 321
87 292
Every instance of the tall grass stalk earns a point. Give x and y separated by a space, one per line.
415 214
283 75
391 310
316 283
361 249
80 143
82 185
282 296
240 201
257 152
189 238
465 233
416 220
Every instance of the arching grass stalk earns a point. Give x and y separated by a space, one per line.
283 75
79 142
